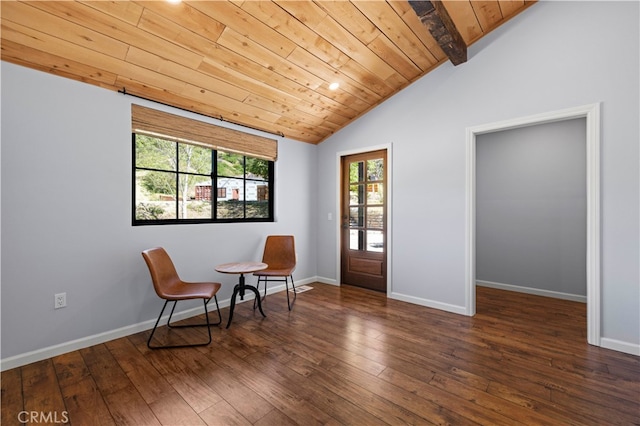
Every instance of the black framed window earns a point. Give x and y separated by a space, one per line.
173 182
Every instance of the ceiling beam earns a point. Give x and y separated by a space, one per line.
436 19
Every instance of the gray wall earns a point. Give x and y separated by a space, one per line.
66 216
531 211
554 56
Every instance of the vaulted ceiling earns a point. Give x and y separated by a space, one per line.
263 64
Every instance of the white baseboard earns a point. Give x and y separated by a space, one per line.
84 342
617 345
330 281
428 303
534 291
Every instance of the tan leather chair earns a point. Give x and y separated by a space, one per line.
171 288
280 255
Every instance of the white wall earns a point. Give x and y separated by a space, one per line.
531 209
66 216
555 55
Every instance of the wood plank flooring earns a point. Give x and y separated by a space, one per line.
345 356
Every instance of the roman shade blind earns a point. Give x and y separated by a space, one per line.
172 127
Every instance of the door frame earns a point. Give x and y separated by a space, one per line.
592 114
389 220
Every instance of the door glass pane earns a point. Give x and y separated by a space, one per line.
375 169
356 194
356 172
375 241
375 193
356 217
356 239
375 217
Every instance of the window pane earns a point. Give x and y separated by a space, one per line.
375 193
232 206
155 195
257 199
194 159
200 209
156 186
257 209
375 217
375 241
195 198
257 168
154 153
230 165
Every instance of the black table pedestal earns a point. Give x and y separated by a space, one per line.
240 288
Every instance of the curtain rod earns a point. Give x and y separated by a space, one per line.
220 118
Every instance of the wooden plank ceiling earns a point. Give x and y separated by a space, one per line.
262 64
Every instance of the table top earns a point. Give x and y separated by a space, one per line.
241 267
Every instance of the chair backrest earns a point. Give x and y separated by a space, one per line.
163 272
280 252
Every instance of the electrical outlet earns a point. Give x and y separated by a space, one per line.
59 300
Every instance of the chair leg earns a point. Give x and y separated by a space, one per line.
208 324
293 285
156 325
286 283
215 299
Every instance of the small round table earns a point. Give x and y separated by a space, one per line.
242 268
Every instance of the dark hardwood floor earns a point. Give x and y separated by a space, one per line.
345 356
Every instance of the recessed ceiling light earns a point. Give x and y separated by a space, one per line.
334 86
174 1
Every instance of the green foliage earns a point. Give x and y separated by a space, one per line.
229 164
258 167
148 212
159 183
374 171
154 153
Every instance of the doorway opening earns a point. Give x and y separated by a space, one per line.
592 115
